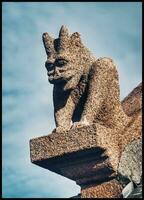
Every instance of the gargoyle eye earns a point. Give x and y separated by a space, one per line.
61 62
48 65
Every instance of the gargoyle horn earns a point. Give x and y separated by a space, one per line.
63 33
75 38
63 38
48 43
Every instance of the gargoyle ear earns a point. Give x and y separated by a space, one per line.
75 38
48 43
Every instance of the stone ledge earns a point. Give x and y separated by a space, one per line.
59 144
79 154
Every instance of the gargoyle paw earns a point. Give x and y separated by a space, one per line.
79 124
60 129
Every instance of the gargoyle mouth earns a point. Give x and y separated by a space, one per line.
55 80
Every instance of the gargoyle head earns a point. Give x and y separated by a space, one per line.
67 58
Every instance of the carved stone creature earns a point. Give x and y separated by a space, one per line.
86 89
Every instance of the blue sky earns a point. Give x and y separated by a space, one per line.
107 29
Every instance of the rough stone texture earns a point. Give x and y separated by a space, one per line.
68 63
94 131
76 154
86 92
83 138
133 102
130 164
111 189
86 89
87 154
131 161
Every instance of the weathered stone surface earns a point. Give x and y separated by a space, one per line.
133 131
76 154
96 135
90 155
110 189
133 102
86 89
130 164
94 130
131 161
58 144
81 141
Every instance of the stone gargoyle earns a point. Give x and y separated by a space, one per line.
97 139
86 89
